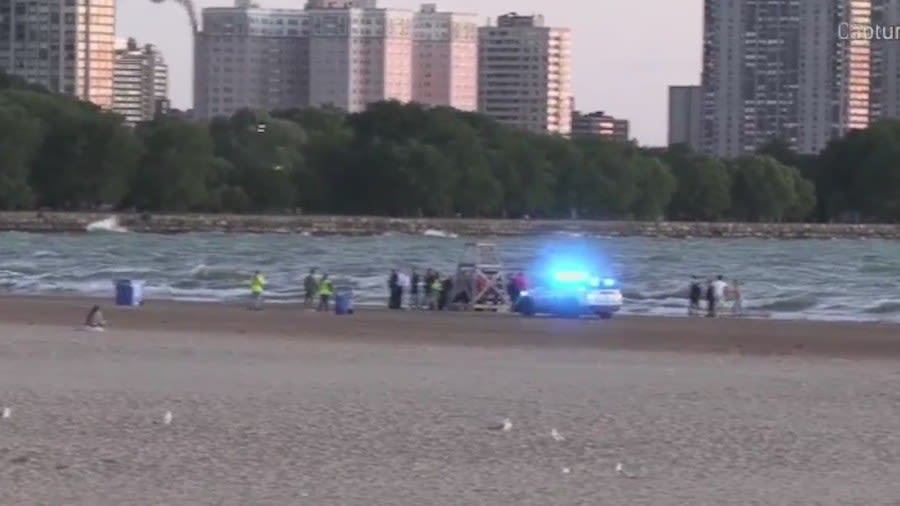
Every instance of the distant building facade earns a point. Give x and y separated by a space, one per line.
341 53
67 46
685 116
140 82
782 70
525 75
445 59
599 124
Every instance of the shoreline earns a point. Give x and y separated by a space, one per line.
483 330
66 222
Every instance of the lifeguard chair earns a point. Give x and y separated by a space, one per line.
480 282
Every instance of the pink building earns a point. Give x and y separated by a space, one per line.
359 56
445 59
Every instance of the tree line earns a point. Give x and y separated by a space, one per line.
405 160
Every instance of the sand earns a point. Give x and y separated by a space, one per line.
384 408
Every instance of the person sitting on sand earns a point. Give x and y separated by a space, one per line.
94 319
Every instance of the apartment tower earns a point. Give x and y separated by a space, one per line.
885 100
67 46
524 75
445 59
140 81
780 69
251 58
685 114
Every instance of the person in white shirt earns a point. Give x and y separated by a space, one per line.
718 288
403 282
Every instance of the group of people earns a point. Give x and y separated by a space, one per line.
425 291
717 293
321 289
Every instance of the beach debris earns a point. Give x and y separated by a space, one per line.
7 412
167 418
620 470
566 470
504 425
556 435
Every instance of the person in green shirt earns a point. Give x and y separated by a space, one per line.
257 284
326 291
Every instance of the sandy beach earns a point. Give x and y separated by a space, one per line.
392 408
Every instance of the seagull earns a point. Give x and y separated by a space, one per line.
556 435
504 425
620 469
167 418
6 413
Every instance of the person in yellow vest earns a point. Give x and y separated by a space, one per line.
257 284
437 287
326 291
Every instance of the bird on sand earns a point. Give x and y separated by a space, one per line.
504 425
167 418
6 413
556 435
620 469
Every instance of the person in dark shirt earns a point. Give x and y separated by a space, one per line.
694 296
710 300
428 287
444 299
414 300
394 290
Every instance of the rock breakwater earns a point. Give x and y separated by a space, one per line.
56 222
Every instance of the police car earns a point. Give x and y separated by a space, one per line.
571 293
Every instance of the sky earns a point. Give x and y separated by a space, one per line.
625 53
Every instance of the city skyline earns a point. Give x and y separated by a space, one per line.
619 68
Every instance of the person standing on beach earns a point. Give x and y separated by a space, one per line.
326 290
737 307
695 292
310 287
394 290
404 282
717 294
257 284
414 282
428 288
710 300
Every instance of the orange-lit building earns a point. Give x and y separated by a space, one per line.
67 46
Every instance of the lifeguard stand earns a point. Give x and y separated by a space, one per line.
480 277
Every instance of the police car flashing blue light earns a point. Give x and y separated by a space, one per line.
572 292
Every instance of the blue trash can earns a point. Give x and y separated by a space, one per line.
343 303
129 292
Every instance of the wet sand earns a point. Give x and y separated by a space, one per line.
385 408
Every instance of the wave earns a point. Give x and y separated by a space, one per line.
789 304
439 233
110 224
885 307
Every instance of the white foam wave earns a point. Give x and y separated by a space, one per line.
439 233
110 224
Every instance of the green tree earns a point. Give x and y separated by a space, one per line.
20 135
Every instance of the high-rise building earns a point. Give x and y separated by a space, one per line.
140 81
780 69
359 56
885 100
67 46
524 75
685 114
599 124
445 59
250 57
